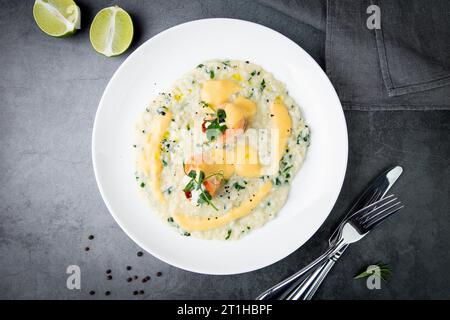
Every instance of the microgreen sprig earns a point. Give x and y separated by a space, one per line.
216 125
196 183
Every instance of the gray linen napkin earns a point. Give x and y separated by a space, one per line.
404 65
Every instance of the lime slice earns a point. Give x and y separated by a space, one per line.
57 18
111 31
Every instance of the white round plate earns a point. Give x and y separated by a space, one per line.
152 68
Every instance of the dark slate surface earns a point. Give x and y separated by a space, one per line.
49 202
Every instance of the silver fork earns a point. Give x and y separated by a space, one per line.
355 228
376 190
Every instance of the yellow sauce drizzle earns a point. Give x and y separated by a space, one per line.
150 162
189 223
281 120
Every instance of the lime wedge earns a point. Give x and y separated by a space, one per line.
57 18
111 31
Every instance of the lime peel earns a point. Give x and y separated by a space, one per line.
111 31
44 24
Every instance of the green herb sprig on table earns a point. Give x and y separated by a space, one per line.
385 272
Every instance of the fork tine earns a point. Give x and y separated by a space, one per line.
370 213
371 206
376 212
383 215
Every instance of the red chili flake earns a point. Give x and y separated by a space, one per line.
188 194
204 126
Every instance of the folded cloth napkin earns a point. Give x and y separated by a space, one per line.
401 64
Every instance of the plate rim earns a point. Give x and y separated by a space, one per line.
95 129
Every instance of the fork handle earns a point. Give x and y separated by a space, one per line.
308 287
280 290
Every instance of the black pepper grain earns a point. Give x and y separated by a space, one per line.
108 271
91 237
109 277
135 277
92 292
140 253
159 274
135 293
107 293
86 249
129 279
141 292
129 268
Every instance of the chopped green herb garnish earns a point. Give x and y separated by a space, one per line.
190 186
252 74
164 162
237 186
201 65
187 234
142 185
170 219
211 74
192 174
168 190
262 86
277 182
201 178
216 126
228 234
162 110
203 104
304 135
221 115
